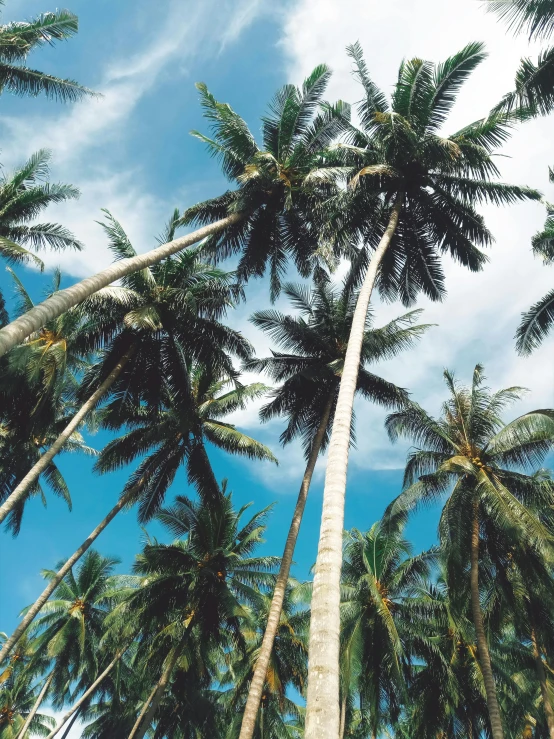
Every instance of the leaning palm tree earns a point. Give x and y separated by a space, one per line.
197 590
175 433
378 618
315 343
18 696
539 319
24 193
19 38
429 186
534 82
471 455
270 216
152 316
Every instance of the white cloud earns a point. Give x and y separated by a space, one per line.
479 317
75 731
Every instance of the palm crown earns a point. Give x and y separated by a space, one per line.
315 343
18 39
279 191
434 180
23 195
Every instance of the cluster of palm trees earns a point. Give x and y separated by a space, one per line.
207 637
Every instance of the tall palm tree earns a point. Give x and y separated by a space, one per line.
272 213
23 195
152 316
379 575
197 589
471 455
315 342
174 433
539 319
534 82
19 38
429 186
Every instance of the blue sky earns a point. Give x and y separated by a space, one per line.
131 152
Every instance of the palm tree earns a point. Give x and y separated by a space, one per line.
270 216
474 457
286 669
175 433
39 381
23 195
534 83
143 320
379 576
17 699
197 589
315 342
429 186
539 319
18 39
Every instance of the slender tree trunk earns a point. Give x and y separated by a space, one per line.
342 725
482 645
62 572
9 504
541 674
260 671
61 301
86 695
143 710
36 706
322 709
145 719
70 725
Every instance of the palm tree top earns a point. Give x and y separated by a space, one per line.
278 189
401 154
19 38
534 16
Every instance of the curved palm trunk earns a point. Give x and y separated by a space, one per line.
322 709
9 504
35 707
61 301
260 671
86 695
62 572
541 675
482 645
145 718
70 725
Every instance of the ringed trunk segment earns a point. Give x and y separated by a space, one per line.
37 469
543 680
483 654
85 695
260 671
18 330
322 709
62 572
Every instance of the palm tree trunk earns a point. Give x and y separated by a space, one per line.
62 572
36 706
342 725
86 695
260 671
9 504
145 718
322 708
143 710
482 645
70 725
61 301
541 674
